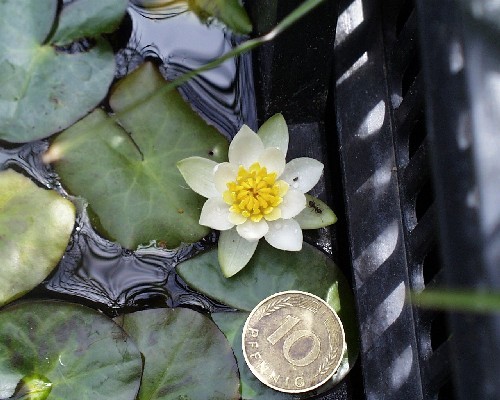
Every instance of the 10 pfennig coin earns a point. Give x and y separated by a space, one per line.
293 341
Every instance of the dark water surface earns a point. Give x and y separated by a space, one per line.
100 273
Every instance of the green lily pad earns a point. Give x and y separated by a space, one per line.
231 12
86 18
67 350
231 323
185 356
35 227
126 169
39 80
268 272
271 271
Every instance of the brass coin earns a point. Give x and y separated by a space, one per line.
293 341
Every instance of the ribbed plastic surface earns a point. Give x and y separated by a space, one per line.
397 74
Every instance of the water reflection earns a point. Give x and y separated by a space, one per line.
223 95
102 272
26 159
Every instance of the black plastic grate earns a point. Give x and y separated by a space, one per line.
388 91
408 357
416 189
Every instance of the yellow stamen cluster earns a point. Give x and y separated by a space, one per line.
255 194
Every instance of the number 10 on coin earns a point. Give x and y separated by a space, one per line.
293 341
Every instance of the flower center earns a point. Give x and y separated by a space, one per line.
255 193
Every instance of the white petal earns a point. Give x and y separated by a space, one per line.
285 234
245 148
274 133
198 174
236 218
253 230
293 203
234 252
215 214
302 173
273 159
224 173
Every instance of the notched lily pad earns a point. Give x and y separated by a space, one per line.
127 169
67 350
268 272
38 80
35 227
185 356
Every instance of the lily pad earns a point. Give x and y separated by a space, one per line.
67 350
35 227
231 323
126 169
38 79
271 271
268 272
86 18
185 356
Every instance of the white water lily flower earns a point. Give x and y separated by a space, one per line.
256 194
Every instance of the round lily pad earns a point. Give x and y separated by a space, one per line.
185 356
39 80
35 227
126 169
66 351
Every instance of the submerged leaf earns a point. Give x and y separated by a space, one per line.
79 352
127 169
35 227
39 80
185 356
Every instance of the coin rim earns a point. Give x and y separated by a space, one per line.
250 366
